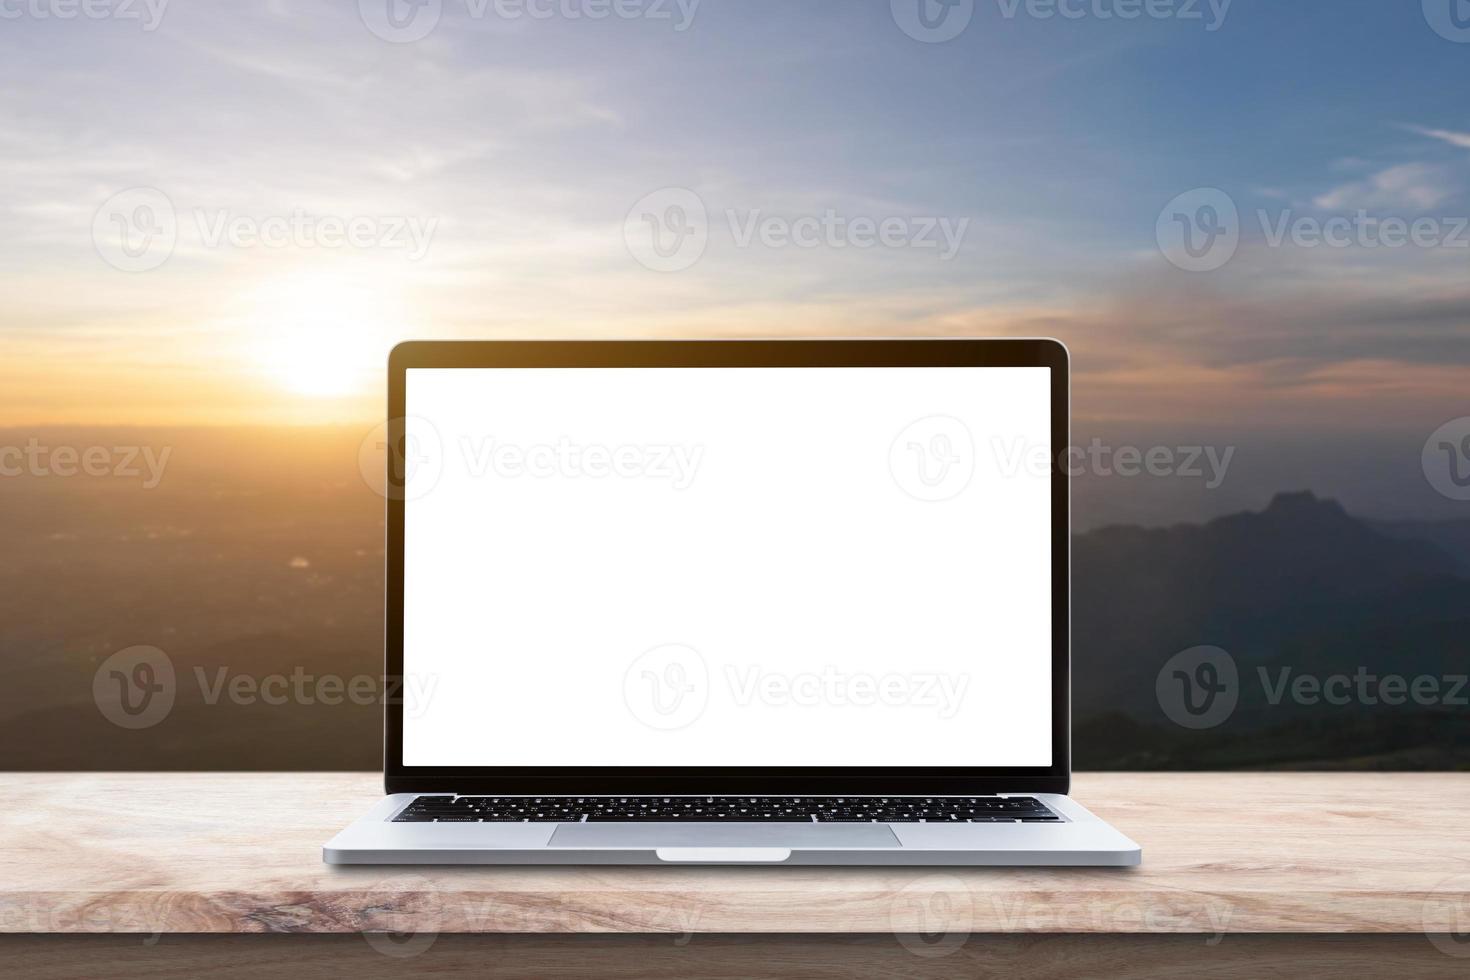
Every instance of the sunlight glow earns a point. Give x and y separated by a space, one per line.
323 337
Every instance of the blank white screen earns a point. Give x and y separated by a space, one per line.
728 567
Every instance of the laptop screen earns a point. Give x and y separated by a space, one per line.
820 567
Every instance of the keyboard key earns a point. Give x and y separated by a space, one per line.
726 809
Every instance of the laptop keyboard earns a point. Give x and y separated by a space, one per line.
752 809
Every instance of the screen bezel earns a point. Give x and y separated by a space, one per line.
731 780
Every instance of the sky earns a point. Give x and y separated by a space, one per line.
226 213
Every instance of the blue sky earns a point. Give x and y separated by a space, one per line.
519 146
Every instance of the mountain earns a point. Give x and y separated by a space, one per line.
1301 588
1452 537
259 554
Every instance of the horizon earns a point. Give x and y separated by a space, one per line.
306 454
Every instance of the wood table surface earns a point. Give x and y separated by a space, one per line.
1222 854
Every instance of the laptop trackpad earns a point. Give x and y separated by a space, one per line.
674 835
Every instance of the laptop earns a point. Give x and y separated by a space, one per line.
775 602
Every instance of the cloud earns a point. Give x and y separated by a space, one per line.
1408 186
1195 354
1453 138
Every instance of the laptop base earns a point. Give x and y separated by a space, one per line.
1082 840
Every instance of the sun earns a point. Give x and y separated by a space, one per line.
310 362
325 338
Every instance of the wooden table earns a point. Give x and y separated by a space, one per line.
142 874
